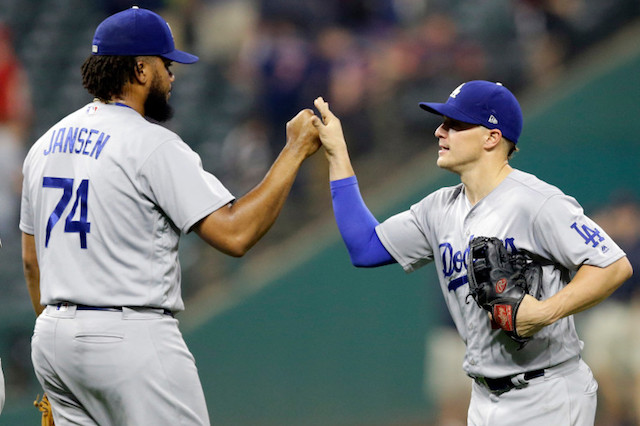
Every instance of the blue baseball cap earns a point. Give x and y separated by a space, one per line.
137 32
485 103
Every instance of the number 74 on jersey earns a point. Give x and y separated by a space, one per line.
81 225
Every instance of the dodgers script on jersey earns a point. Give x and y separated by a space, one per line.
528 215
107 202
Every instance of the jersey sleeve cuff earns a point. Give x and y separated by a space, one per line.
339 183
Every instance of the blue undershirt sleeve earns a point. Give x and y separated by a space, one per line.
357 225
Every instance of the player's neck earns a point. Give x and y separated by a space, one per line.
139 108
480 182
132 96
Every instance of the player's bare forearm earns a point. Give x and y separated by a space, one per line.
340 165
590 286
31 271
237 227
332 138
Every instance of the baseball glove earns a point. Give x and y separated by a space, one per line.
498 281
45 408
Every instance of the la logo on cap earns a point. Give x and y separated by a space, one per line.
456 91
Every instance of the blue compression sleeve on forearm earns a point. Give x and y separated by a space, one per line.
357 225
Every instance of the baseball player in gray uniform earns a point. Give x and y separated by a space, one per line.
545 382
106 196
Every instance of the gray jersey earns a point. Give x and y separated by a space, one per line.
528 215
107 194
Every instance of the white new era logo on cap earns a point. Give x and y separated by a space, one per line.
492 120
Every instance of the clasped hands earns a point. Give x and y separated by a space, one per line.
307 131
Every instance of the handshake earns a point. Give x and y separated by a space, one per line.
306 132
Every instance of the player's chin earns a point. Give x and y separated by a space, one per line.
443 163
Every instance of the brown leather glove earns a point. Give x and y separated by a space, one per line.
45 408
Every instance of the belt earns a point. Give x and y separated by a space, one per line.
107 308
505 384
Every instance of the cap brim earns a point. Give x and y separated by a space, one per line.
180 57
448 111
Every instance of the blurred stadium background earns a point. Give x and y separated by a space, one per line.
291 334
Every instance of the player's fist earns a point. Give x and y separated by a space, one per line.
531 317
302 134
329 128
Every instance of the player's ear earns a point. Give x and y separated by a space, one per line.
141 71
493 138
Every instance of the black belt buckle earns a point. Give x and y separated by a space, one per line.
505 384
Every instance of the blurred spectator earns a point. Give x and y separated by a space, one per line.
349 79
545 35
446 56
245 155
109 7
283 56
610 330
220 27
17 365
274 64
15 118
445 382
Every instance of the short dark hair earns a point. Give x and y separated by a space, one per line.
512 149
105 76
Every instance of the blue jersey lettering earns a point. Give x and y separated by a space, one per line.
86 138
89 141
458 261
59 141
72 135
80 141
100 143
48 151
589 235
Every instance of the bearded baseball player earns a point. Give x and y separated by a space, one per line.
106 197
515 257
